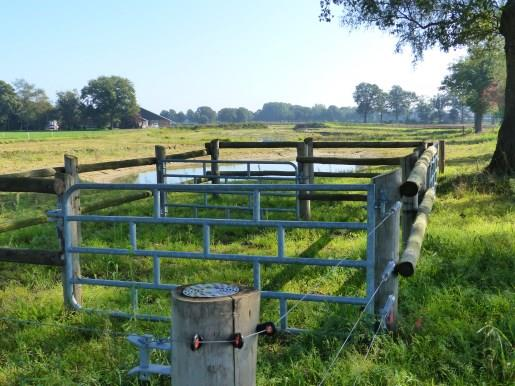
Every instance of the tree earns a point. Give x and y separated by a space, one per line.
35 108
205 114
476 79
9 105
275 112
190 116
381 104
111 99
440 102
366 95
180 117
170 114
424 110
244 115
399 101
227 114
411 99
68 108
447 24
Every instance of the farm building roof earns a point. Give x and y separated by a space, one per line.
150 116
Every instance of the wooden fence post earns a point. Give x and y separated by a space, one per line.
310 167
214 151
71 177
303 169
441 156
409 204
160 178
214 319
387 240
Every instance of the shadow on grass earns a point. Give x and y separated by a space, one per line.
471 160
289 272
479 182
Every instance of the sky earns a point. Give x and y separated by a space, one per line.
183 54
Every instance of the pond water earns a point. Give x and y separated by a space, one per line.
150 176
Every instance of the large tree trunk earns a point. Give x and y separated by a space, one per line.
503 160
478 123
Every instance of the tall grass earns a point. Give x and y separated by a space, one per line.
456 316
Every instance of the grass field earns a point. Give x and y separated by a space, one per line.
456 315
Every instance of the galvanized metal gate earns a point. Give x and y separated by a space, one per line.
256 191
381 204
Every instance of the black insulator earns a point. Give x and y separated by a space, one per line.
268 328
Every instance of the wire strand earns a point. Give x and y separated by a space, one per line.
371 344
347 339
298 302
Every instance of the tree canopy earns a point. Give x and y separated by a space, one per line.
35 108
476 79
68 108
110 99
366 96
9 104
447 24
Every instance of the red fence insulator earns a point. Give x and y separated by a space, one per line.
237 341
196 342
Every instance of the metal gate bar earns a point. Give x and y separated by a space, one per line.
205 253
161 170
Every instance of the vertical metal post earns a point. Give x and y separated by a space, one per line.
156 267
132 236
386 240
157 203
160 172
283 313
371 224
303 169
256 210
134 299
71 177
257 275
280 241
206 239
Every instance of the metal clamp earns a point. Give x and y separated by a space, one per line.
145 344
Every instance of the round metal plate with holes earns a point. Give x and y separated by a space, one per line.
210 290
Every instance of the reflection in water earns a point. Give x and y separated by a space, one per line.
150 176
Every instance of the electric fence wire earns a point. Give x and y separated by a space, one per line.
168 339
372 343
313 290
386 217
349 335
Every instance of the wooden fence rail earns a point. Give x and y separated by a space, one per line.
366 144
417 177
32 256
410 256
351 161
27 184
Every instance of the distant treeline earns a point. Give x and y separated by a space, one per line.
271 112
108 101
439 109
